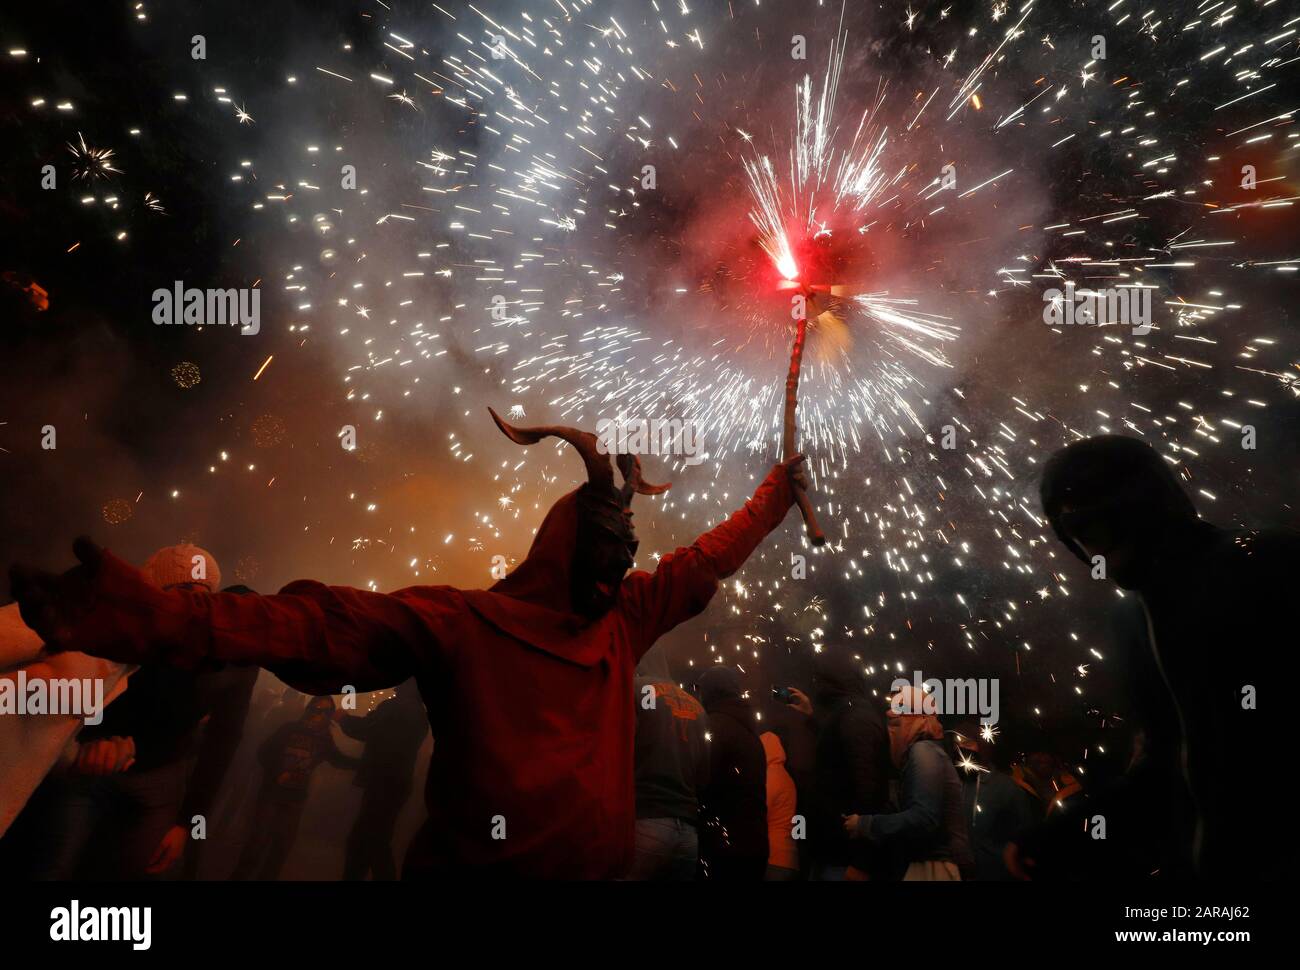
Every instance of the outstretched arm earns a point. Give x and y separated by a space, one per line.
921 817
317 638
687 579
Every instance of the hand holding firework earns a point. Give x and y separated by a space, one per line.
809 304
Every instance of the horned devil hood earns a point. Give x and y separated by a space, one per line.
534 603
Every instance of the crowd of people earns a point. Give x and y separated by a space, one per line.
564 748
137 794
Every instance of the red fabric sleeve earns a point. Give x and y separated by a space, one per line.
687 579
317 638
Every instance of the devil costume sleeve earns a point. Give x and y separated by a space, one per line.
532 772
686 579
320 638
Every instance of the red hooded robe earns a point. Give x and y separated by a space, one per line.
529 702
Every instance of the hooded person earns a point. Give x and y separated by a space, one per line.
928 833
1217 605
733 809
526 683
782 802
851 769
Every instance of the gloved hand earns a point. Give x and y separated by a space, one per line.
796 468
52 604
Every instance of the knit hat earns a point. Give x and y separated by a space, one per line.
719 683
173 565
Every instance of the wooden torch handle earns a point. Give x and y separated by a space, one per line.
815 534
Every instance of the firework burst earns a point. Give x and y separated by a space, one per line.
91 164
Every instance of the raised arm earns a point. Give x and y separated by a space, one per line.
687 579
316 638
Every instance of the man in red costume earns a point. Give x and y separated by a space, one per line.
527 684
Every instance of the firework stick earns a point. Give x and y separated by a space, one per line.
814 531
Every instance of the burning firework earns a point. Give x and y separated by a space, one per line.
91 164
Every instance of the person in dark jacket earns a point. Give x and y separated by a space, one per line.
851 773
1217 603
928 832
798 735
996 808
733 808
289 759
672 768
392 733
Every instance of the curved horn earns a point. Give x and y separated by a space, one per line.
598 470
630 466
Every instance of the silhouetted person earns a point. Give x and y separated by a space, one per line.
852 769
1220 612
289 759
733 842
997 809
671 761
393 733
